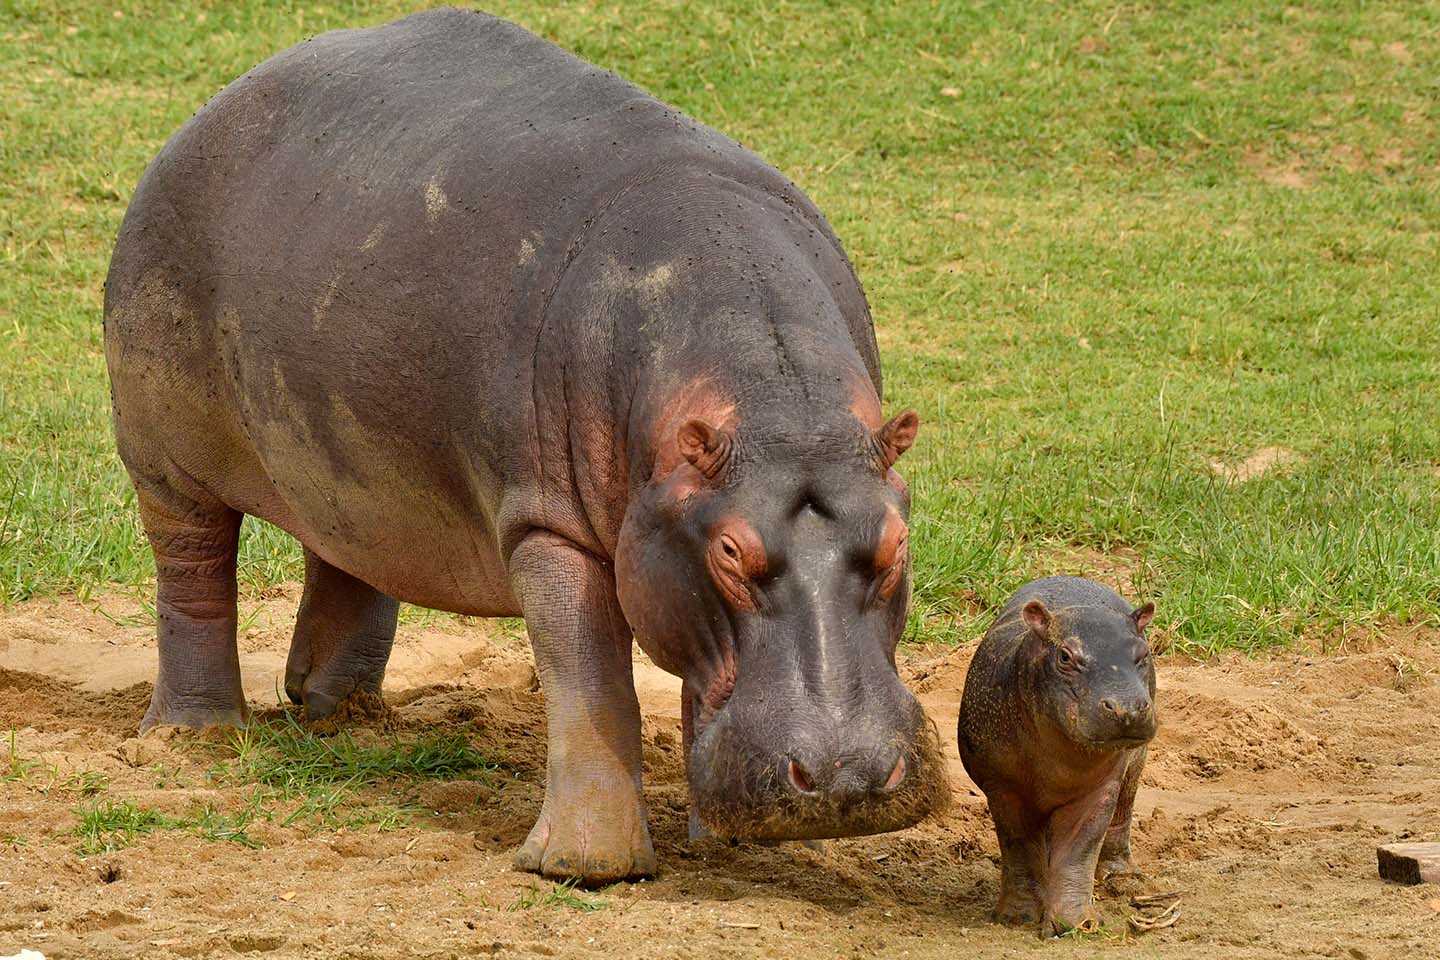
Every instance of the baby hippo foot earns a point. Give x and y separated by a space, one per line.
596 841
1062 918
1017 908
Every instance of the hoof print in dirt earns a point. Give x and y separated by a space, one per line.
1058 709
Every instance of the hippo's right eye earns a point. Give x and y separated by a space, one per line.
735 558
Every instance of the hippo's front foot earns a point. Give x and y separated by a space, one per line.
343 635
592 826
1063 919
1016 908
596 834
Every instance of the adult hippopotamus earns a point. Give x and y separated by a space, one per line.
490 330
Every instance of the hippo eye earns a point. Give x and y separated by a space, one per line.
729 547
1067 659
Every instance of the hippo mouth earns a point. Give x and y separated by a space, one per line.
742 790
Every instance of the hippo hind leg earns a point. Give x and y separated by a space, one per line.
195 544
343 635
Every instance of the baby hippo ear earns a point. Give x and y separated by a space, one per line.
1142 616
895 437
1037 618
707 448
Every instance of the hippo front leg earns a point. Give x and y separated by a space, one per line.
1073 838
1115 861
1022 861
592 825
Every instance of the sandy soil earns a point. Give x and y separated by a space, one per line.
1269 788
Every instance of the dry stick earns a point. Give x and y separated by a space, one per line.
1165 919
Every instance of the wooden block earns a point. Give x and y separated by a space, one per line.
1410 862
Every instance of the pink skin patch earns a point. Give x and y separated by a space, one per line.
700 399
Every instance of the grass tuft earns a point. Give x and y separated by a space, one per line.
566 893
305 778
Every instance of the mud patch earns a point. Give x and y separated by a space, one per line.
1269 787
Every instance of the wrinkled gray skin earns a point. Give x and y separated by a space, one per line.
1059 705
490 330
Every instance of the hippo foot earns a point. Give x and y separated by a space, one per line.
1119 876
174 712
321 691
592 849
1016 910
1119 865
1066 920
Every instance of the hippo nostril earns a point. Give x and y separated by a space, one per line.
896 775
1142 708
1108 706
799 778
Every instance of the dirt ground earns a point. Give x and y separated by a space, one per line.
1270 786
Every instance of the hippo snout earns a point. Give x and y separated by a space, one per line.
1125 720
758 776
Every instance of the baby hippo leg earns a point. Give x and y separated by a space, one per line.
1074 835
1022 860
1115 851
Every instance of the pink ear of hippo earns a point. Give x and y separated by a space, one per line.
1037 618
895 437
706 448
1143 616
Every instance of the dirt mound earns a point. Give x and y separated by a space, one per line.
1204 737
1269 787
35 700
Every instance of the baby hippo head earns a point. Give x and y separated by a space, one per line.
1090 671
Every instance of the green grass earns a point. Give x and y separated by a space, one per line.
298 779
566 893
307 779
1105 245
106 826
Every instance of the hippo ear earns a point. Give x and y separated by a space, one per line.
1037 618
895 437
1143 615
707 448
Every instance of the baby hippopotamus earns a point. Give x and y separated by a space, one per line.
1058 708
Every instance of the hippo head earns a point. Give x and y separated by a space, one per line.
769 568
1089 672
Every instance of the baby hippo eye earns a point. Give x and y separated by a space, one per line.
729 547
1066 658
